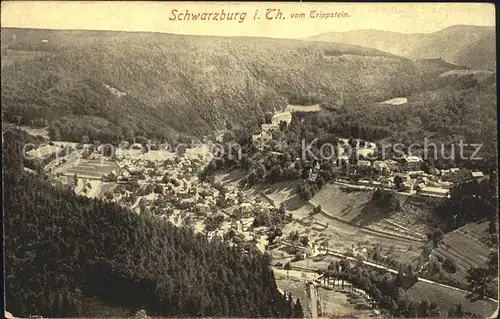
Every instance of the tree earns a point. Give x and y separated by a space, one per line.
166 178
149 189
297 310
434 310
180 149
424 309
228 137
158 189
450 265
294 235
317 209
282 209
142 205
213 223
456 311
287 267
304 240
262 218
492 263
304 191
272 234
320 181
479 279
491 237
436 236
108 150
276 174
398 182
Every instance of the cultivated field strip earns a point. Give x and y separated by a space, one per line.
446 297
464 249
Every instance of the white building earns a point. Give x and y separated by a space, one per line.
435 191
477 174
282 117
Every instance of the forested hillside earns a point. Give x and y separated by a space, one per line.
452 107
113 85
471 46
61 248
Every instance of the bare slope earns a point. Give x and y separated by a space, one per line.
176 83
471 46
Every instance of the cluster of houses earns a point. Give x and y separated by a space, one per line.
405 172
150 168
408 174
267 129
182 196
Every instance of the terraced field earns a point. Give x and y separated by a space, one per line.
343 236
412 220
466 247
355 206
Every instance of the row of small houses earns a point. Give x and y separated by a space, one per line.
417 180
408 185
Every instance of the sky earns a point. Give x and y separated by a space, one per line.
158 17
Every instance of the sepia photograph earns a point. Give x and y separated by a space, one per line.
166 159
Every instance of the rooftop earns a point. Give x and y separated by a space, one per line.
413 159
477 174
436 190
364 163
273 126
282 116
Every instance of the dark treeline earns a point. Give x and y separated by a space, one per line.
61 248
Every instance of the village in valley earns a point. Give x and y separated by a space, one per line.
305 237
286 167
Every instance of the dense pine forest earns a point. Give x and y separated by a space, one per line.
61 248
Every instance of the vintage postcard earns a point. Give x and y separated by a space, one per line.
249 159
